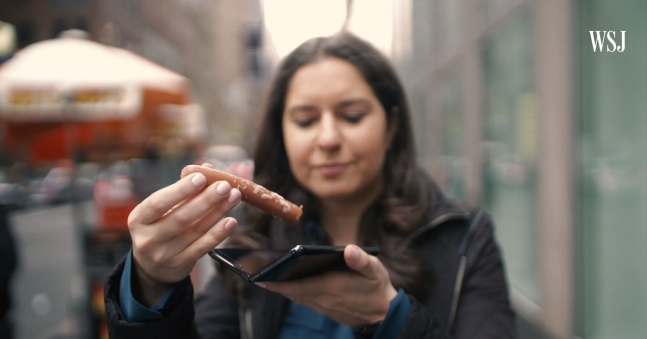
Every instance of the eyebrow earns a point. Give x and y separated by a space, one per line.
305 108
353 102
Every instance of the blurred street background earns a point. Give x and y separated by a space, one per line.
515 109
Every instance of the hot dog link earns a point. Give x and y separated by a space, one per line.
252 193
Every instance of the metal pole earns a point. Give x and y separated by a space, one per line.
78 215
349 12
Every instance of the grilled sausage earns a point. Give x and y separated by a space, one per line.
252 193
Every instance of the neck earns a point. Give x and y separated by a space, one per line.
340 217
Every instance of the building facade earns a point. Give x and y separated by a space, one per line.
515 111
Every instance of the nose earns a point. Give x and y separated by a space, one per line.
329 137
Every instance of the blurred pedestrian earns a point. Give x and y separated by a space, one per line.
336 139
7 267
11 197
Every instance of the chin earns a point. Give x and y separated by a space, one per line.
332 191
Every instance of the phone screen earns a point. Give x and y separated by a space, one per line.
304 265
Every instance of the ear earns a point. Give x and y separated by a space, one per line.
392 125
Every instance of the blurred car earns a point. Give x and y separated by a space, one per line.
56 187
12 194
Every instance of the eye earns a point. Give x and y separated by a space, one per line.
354 117
304 122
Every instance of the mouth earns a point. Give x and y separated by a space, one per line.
329 170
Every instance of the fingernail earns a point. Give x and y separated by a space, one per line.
199 179
223 188
354 254
260 284
234 196
231 223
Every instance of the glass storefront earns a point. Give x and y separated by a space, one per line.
451 168
510 193
612 167
421 121
609 295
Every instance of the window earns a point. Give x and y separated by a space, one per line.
450 169
510 191
447 26
612 281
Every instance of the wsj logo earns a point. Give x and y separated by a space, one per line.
598 40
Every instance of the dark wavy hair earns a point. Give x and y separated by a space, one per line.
405 201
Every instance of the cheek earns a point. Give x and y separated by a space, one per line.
374 161
370 142
297 149
372 147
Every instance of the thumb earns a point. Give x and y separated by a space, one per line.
362 262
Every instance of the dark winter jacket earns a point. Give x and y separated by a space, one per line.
459 244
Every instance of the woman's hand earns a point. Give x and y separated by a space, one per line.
174 227
357 297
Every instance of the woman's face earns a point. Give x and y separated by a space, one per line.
335 130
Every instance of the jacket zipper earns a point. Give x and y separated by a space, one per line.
462 264
457 292
460 276
246 323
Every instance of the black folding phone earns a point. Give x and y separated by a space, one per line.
281 265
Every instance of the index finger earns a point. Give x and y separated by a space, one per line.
160 202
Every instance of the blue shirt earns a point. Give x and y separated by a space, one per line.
299 322
303 322
133 310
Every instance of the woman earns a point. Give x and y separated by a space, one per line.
337 139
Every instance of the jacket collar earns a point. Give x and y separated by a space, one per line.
443 209
444 206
